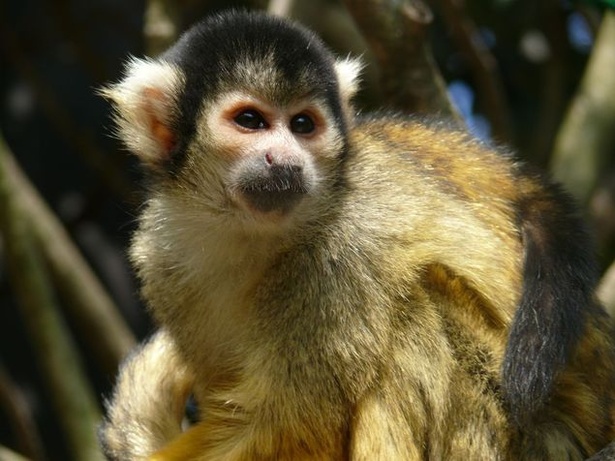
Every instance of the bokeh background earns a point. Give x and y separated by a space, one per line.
536 76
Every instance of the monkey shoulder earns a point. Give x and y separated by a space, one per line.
434 149
430 167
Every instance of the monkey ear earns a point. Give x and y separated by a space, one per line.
146 106
348 71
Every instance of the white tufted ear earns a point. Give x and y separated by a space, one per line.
348 71
145 103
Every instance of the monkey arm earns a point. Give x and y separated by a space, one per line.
147 406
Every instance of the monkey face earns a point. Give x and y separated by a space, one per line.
275 156
231 127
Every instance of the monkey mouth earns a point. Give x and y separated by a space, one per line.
278 191
265 201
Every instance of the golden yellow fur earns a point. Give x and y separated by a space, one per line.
427 280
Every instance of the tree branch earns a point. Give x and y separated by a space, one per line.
19 415
584 144
606 290
72 396
87 302
483 65
10 455
397 33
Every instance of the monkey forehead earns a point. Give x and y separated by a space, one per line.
263 79
253 51
234 99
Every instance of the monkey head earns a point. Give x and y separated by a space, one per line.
268 107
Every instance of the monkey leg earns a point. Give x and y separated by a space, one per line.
147 405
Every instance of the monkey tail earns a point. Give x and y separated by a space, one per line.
147 407
559 278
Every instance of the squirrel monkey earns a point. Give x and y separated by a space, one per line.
331 286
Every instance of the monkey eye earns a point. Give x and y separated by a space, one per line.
302 124
251 119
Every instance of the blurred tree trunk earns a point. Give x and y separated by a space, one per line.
584 144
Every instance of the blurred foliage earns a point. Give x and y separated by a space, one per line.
519 72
